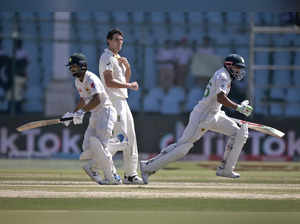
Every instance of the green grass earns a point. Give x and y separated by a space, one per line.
146 217
278 179
121 204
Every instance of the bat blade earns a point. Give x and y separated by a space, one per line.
42 123
37 124
262 128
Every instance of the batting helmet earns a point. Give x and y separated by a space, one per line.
79 59
237 61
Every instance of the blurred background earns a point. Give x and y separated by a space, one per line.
172 55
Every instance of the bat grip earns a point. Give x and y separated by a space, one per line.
66 119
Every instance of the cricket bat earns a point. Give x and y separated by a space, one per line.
42 123
262 128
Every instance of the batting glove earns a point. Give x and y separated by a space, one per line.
245 108
78 117
68 114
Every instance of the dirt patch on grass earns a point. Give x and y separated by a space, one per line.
153 190
114 194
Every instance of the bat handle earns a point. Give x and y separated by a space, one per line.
66 119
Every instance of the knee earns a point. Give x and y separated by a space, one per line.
244 131
241 133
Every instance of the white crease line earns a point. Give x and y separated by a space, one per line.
47 194
158 185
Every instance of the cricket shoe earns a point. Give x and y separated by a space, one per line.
145 174
92 174
133 180
116 180
223 173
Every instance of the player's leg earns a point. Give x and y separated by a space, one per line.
103 161
130 153
118 142
104 123
125 126
193 132
87 155
237 138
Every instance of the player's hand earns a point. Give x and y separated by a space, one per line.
245 108
124 61
68 114
78 117
134 86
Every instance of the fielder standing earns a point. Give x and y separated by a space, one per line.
115 73
94 99
207 115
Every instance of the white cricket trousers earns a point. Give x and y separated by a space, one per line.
100 127
200 122
126 123
101 124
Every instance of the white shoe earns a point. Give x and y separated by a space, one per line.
145 174
92 174
116 180
133 180
223 173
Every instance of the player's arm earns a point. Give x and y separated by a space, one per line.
94 102
128 74
113 83
125 62
243 108
225 101
80 104
80 110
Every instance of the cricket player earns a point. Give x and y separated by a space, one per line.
115 73
94 99
207 115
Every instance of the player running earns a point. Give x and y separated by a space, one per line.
207 115
94 99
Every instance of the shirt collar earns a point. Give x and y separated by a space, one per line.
110 52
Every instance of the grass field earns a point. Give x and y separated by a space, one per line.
54 191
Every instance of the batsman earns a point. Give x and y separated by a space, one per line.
94 99
207 115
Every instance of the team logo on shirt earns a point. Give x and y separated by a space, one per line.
93 85
87 89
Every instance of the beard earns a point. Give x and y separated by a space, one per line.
76 75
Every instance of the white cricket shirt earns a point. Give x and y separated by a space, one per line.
109 61
91 85
219 82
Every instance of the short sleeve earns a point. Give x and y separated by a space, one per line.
222 83
107 63
94 86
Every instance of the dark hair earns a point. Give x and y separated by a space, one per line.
111 33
